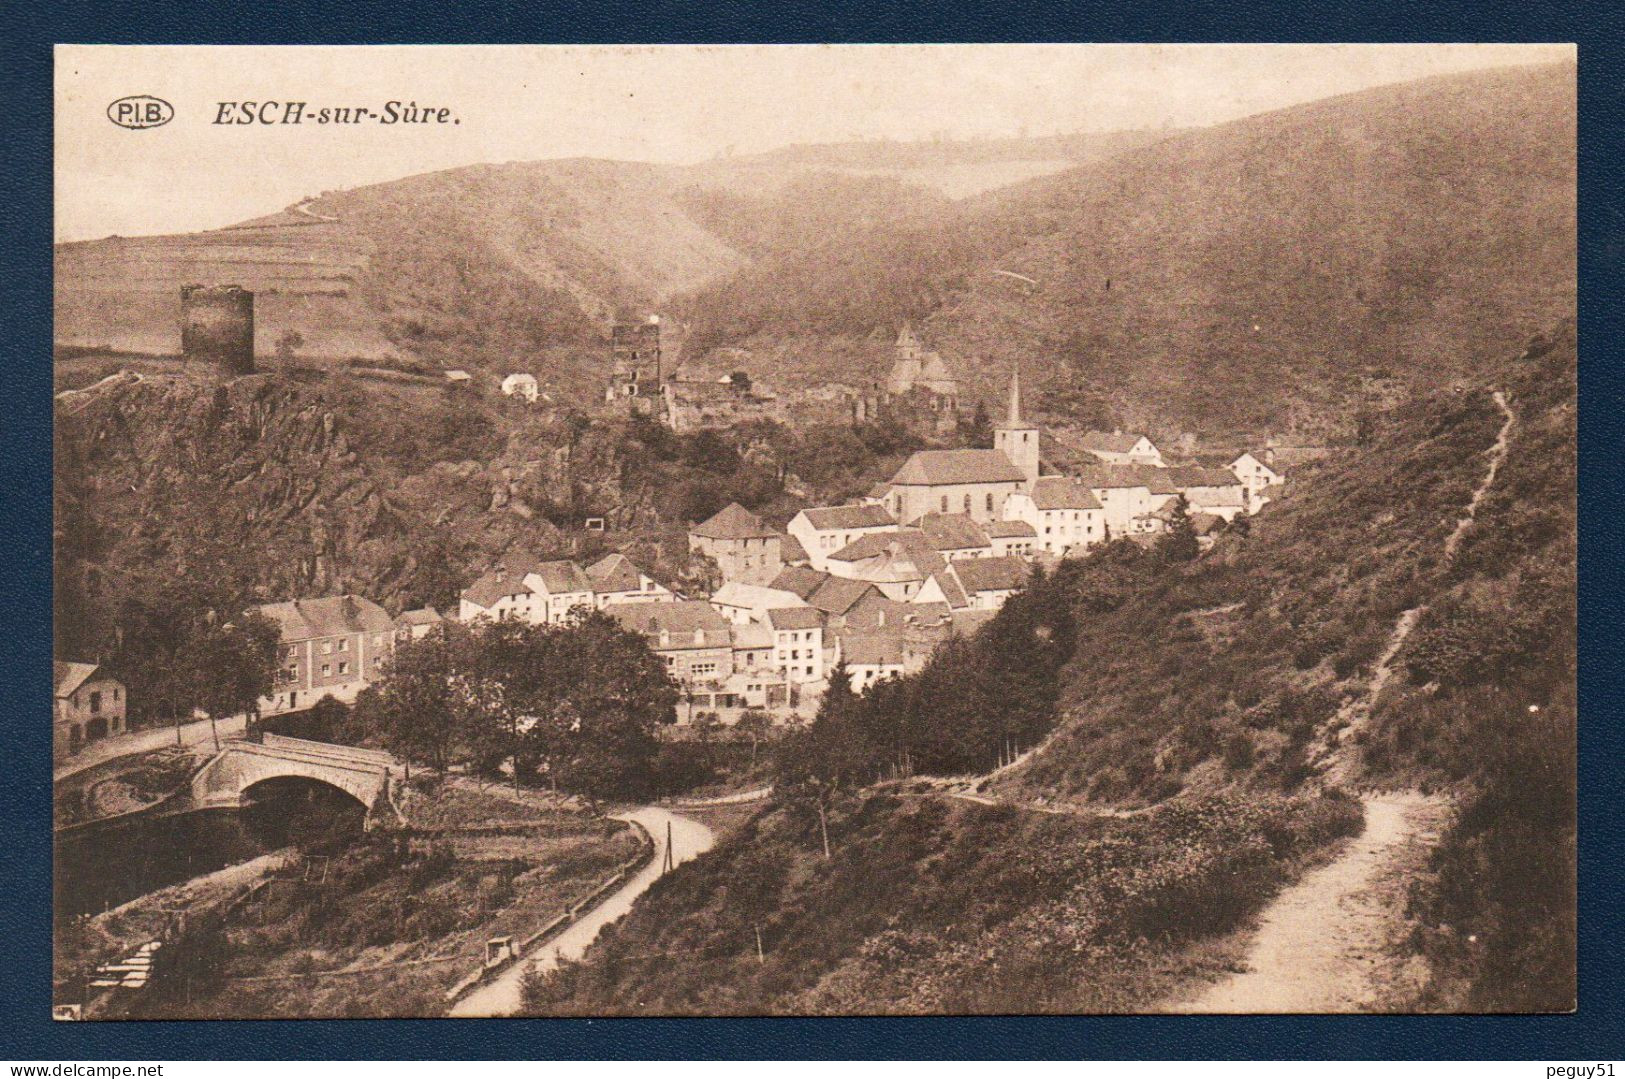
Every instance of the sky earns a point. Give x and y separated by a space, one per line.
668 104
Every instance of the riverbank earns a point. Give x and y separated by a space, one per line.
383 923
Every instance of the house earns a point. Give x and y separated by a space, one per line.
615 578
1207 527
413 625
1121 448
871 657
990 581
521 385
1218 491
956 535
742 603
1063 513
500 593
692 639
1012 537
824 529
743 547
538 592
1256 477
87 704
752 644
897 563
798 643
1128 495
334 646
972 482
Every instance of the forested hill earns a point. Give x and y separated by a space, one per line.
1237 277
1205 749
525 264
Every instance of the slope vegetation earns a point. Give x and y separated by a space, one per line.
1237 277
1186 780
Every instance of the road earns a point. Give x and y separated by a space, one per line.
689 839
146 741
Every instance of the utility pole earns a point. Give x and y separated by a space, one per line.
668 865
760 958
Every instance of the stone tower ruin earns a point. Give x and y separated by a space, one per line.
217 327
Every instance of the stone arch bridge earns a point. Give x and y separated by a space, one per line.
363 774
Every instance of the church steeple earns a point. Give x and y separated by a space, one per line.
1016 437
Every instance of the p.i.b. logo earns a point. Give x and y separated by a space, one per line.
140 112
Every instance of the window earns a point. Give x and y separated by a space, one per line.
967 501
990 502
327 670
327 648
115 693
344 645
96 702
944 503
344 667
703 668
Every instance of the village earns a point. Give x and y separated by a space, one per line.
876 584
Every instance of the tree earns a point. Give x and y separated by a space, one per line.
417 710
1179 544
979 430
232 666
755 725
740 381
288 345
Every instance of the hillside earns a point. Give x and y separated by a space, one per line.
1240 277
523 264
1210 721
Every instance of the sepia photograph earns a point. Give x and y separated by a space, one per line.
813 530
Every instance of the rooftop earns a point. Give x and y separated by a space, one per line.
1110 442
1063 493
423 616
615 573
795 618
1010 529
952 531
873 650
330 616
683 617
934 467
733 522
865 516
991 574
68 677
562 575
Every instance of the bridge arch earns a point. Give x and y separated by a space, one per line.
362 774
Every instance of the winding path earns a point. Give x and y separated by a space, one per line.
1331 942
689 838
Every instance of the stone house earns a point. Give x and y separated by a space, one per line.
742 545
334 646
87 704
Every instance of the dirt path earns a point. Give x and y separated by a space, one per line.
689 838
1333 942
1326 944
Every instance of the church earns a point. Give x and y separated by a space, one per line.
975 482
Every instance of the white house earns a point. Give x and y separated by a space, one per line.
1063 514
1256 477
616 578
520 384
871 657
823 530
742 603
990 581
1218 491
536 592
1129 495
1011 537
1122 448
798 643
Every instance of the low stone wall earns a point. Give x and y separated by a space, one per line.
562 922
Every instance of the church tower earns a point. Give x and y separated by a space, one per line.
1017 438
